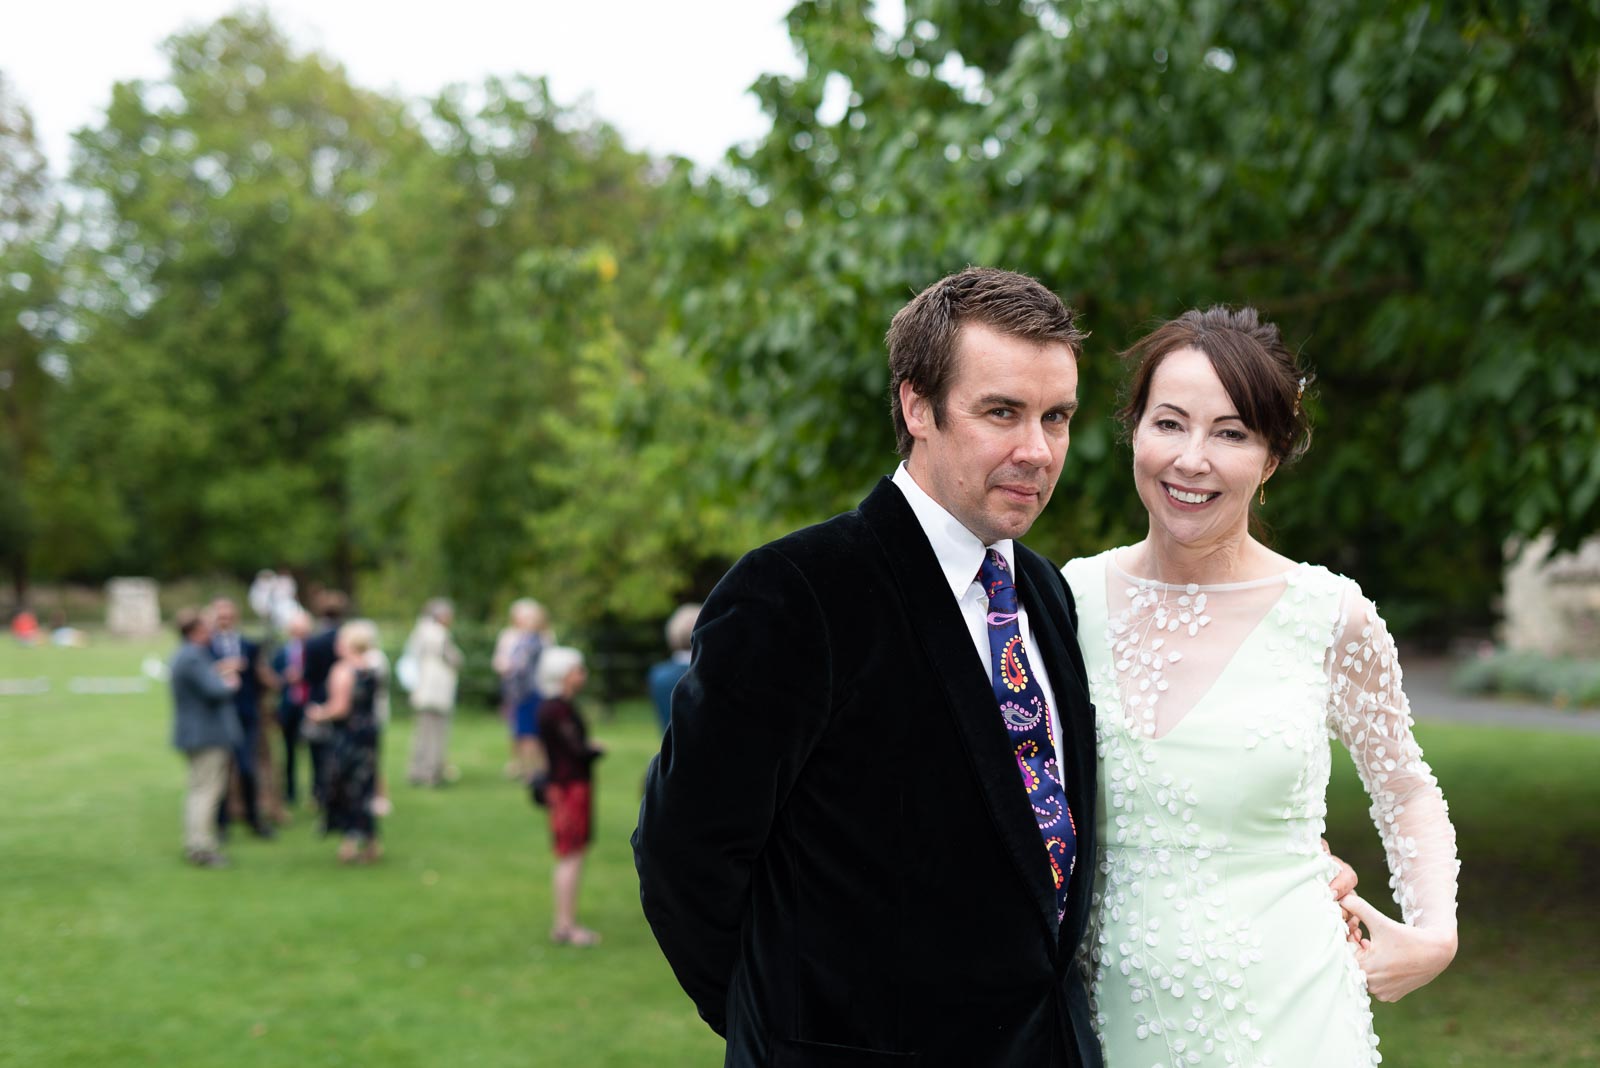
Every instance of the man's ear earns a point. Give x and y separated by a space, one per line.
917 410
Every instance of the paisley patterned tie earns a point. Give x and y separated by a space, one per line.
1027 719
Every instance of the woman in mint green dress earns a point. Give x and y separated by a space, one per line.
1221 671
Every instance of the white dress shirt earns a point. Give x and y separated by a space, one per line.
960 554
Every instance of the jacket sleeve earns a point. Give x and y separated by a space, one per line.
745 717
200 677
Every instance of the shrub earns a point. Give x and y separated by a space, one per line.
1561 680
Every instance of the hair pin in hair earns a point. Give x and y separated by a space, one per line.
1298 393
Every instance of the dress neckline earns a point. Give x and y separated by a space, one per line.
1197 587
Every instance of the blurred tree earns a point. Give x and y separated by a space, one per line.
638 506
486 326
28 321
230 272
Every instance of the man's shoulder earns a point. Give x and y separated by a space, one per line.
1044 579
820 544
1037 567
1027 557
883 518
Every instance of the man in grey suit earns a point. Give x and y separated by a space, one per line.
206 729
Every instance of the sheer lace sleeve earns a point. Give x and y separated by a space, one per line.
1368 712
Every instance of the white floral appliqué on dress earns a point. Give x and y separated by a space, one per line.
1214 939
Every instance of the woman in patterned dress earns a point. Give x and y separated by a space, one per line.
1220 671
352 770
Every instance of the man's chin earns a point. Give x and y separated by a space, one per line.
1012 523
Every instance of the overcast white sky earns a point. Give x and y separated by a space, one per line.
671 75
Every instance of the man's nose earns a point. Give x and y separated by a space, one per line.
1034 448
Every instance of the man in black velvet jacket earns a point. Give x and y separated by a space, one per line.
836 850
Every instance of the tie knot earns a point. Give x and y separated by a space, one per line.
995 576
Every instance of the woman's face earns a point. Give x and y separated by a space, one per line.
1195 463
576 679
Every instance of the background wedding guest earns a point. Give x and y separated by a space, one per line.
516 681
205 729
351 708
568 789
437 661
229 643
665 675
378 661
321 653
289 671
520 688
273 596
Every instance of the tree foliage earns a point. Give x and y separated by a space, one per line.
476 345
1405 189
231 272
30 502
486 324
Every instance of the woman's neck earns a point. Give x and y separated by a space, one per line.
1233 559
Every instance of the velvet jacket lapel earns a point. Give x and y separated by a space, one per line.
1051 620
969 697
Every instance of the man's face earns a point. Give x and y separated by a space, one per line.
994 463
224 615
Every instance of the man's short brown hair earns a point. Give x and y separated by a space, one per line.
923 336
187 620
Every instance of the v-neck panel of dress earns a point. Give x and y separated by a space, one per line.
1285 577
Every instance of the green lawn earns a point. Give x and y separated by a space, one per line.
112 952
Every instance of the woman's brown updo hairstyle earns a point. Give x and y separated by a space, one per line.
1262 377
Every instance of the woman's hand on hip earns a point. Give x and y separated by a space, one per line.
1396 957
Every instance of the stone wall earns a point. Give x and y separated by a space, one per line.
133 607
1552 603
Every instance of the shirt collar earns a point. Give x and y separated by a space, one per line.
958 550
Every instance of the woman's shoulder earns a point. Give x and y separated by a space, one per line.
1320 577
1083 569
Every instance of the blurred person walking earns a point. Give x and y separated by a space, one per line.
206 730
351 710
437 661
568 789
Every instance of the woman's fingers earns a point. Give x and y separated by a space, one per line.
1370 917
